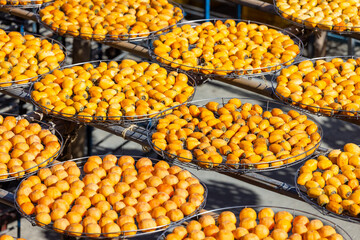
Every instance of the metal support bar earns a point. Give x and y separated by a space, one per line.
7 198
238 11
89 140
207 4
351 47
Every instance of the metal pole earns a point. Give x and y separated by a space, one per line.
351 46
238 11
207 9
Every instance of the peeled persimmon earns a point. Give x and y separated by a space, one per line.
109 97
100 200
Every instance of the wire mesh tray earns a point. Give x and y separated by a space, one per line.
243 165
24 173
237 209
9 237
133 37
119 235
27 82
337 111
112 119
342 27
302 192
22 3
216 72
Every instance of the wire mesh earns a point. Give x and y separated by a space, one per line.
240 168
27 82
316 26
138 38
302 192
121 235
211 73
27 172
236 210
136 119
319 111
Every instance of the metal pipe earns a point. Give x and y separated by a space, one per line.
25 14
7 198
207 9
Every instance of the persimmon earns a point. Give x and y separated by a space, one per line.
133 24
75 229
337 191
92 230
61 224
205 57
97 202
20 70
211 152
6 237
117 100
111 230
129 229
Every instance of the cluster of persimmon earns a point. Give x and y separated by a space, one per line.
21 2
24 147
242 133
333 180
115 196
8 237
111 90
225 47
109 19
252 225
328 15
24 57
329 87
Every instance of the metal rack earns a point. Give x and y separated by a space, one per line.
138 134
123 234
135 38
236 210
113 119
239 168
235 73
26 172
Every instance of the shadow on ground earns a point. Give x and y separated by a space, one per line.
223 194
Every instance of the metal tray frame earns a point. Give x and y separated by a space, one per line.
232 73
51 159
301 190
327 112
318 26
109 120
135 38
139 233
236 209
33 79
233 168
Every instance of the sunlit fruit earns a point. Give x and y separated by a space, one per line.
111 20
92 206
111 91
235 134
225 47
24 57
332 181
16 159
